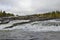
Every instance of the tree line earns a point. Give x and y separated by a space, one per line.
4 14
53 14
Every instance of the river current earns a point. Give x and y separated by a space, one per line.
38 30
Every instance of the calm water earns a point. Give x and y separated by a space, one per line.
28 35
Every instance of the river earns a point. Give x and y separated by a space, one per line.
38 30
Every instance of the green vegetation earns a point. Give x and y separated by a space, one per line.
48 15
4 14
54 14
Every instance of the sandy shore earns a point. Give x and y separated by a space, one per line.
28 35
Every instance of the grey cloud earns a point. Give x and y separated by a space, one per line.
36 6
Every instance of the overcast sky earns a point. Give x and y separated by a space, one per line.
24 7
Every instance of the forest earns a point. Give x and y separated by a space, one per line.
4 14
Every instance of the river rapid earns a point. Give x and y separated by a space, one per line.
38 30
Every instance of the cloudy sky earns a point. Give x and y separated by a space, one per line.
25 7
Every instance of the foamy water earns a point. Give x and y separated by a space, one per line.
49 25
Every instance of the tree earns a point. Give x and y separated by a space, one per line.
4 13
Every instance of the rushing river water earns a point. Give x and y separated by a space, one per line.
38 30
49 25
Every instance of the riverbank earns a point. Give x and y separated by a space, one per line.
35 17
